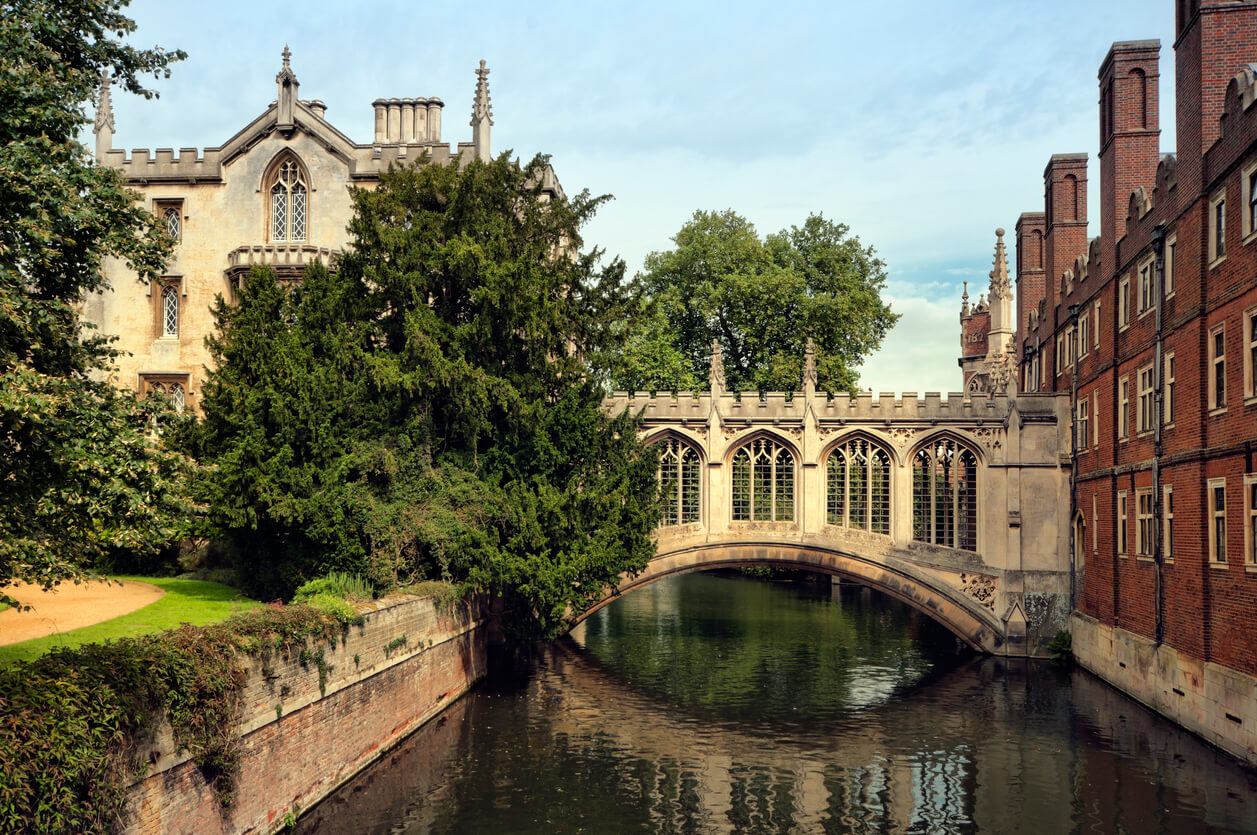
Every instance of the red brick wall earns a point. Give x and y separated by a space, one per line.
292 760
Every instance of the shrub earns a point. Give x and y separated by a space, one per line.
342 584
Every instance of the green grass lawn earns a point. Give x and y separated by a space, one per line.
186 601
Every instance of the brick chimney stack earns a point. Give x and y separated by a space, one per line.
1214 39
1130 134
1065 235
1031 284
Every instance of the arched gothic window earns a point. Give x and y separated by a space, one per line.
288 192
171 218
679 482
763 482
945 495
857 491
172 391
170 310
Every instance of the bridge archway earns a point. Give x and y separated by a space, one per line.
979 630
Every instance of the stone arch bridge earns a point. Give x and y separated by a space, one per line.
958 506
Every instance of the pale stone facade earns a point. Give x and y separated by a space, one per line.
276 193
993 566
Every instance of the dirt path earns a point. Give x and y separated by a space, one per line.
69 606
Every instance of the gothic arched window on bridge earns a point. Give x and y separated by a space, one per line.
857 491
678 482
763 482
945 495
288 191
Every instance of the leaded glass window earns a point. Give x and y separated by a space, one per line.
763 482
171 216
858 487
177 397
170 310
945 495
679 482
288 203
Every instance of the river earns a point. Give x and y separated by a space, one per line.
719 703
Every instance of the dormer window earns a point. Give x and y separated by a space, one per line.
288 204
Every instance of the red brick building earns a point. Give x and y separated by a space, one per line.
1150 329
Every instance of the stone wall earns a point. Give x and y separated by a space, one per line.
308 726
1210 700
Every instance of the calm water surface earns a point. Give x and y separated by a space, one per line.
712 703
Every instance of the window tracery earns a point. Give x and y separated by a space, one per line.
858 486
763 482
679 482
288 202
945 495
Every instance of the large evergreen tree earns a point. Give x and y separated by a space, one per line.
81 471
424 411
761 300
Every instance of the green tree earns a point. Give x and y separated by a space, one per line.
81 470
761 300
425 411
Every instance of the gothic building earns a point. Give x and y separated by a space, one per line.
1150 332
276 193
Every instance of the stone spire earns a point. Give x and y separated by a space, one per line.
1000 336
481 114
964 302
717 376
104 118
287 101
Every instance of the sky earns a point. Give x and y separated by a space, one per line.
921 124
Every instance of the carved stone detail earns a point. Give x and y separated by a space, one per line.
981 587
992 437
903 435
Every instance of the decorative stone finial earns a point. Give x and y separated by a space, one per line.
1001 285
809 366
104 118
964 302
285 72
481 108
717 376
481 114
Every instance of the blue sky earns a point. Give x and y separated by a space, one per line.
922 125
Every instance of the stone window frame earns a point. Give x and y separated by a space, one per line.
1096 335
686 506
1217 228
1123 408
965 508
845 451
1216 377
167 384
1167 276
300 185
1146 299
1084 335
160 292
1248 200
1082 424
1167 522
1167 402
1095 419
1216 521
1250 521
163 207
1123 304
1123 533
1249 323
777 479
1143 523
1145 401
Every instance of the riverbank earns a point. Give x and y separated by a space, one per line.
315 718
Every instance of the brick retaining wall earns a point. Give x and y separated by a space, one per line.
300 744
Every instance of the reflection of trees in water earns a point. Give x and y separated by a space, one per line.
992 745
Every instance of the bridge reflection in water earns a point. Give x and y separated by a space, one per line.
696 705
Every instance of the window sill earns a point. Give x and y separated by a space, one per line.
1251 568
1143 558
1221 410
1251 400
1216 262
1221 566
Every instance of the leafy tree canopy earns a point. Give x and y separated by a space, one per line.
761 300
81 472
424 411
